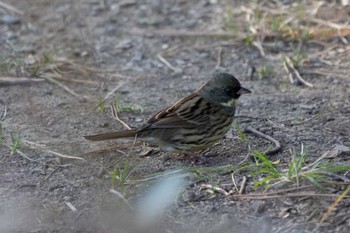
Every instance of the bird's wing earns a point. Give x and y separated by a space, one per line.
187 112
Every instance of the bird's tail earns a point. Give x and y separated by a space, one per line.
112 135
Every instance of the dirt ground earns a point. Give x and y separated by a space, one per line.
148 54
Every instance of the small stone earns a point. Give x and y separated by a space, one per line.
115 7
67 198
9 20
111 30
137 56
137 120
124 44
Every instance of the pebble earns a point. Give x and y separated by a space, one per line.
165 46
115 7
137 120
137 55
111 30
124 44
9 19
67 198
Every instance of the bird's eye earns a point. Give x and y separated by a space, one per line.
228 91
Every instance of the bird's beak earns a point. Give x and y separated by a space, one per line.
243 91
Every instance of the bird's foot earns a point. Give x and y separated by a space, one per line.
194 158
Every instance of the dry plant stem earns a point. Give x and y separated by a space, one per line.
120 84
3 115
327 73
180 33
290 75
51 151
215 189
316 33
332 207
116 117
79 67
277 147
82 98
286 190
234 183
51 173
246 157
329 48
304 121
119 148
330 24
162 59
243 185
218 64
26 157
302 194
21 80
184 33
76 80
109 149
290 66
71 206
279 126
259 46
8 7
335 176
122 197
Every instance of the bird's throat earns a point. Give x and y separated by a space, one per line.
230 106
231 103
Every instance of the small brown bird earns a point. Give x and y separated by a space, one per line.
193 123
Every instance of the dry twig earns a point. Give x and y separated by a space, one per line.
116 88
290 66
215 189
264 196
51 80
19 80
36 145
218 64
51 173
109 149
91 82
25 156
234 183
122 197
246 157
179 33
333 206
71 206
277 147
243 184
116 117
175 69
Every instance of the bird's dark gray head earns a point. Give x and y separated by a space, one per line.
223 89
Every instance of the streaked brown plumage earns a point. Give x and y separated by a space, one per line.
194 122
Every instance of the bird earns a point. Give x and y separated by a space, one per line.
193 123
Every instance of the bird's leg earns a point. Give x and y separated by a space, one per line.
194 156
